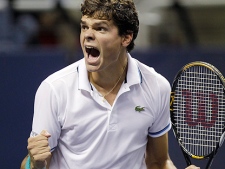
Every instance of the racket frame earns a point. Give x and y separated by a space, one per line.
186 153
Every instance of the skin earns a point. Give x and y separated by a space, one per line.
104 72
39 151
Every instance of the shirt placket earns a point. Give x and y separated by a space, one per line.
112 120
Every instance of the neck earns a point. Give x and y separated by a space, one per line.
107 82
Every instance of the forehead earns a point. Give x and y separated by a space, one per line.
90 20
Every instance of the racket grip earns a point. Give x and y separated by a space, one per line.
187 158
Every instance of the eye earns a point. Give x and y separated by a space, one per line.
84 27
101 29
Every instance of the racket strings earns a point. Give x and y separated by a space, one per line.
199 110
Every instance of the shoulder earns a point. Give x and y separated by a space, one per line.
150 75
64 74
61 80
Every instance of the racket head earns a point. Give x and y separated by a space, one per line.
197 109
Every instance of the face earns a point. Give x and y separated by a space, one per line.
101 44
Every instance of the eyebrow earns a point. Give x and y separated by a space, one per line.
96 24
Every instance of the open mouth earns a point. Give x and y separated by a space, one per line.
92 52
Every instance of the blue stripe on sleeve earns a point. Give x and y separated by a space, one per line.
161 131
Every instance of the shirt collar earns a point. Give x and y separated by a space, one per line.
83 77
133 77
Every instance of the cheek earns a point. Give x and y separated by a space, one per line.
81 38
111 44
82 42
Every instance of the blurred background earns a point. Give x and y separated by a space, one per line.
39 37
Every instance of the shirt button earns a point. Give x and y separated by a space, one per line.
113 127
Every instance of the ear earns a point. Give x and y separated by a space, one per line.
126 39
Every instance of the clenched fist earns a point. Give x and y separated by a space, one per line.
39 149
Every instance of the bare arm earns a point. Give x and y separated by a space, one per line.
32 166
39 151
23 163
157 156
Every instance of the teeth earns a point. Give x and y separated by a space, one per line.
89 47
90 50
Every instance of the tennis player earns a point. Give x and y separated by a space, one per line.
107 110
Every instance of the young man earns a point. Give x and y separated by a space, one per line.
106 111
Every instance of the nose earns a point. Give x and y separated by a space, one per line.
89 34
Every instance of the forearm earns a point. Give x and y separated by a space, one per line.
24 164
167 164
157 156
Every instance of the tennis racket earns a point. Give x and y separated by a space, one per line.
197 109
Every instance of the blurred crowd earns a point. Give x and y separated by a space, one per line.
52 28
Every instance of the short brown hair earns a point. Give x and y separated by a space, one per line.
122 12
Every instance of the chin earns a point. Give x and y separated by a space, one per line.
91 68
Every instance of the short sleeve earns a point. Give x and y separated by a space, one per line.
162 123
46 113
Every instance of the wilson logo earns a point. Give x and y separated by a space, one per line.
200 108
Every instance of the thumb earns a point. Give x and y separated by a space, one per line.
45 133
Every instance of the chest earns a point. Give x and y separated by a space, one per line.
92 118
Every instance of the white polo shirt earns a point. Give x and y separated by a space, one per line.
87 132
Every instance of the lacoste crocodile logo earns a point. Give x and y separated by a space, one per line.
139 108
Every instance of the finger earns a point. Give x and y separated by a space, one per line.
39 150
192 167
41 157
39 160
39 143
45 133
